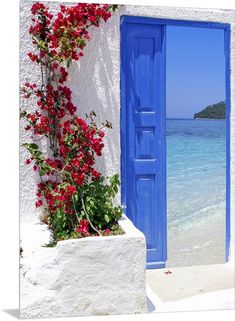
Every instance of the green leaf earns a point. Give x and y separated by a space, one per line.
41 44
75 197
40 156
31 146
49 187
107 219
42 172
108 204
23 114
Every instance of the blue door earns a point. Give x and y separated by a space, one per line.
143 141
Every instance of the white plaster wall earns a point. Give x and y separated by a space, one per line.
95 82
88 276
28 72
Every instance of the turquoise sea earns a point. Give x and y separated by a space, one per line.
196 181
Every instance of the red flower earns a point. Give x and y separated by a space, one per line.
36 7
38 203
42 53
92 19
32 56
101 134
107 231
83 227
74 55
76 162
95 175
71 189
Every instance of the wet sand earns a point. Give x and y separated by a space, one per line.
199 245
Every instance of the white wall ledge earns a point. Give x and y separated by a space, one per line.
88 276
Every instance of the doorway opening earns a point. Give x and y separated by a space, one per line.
145 130
196 145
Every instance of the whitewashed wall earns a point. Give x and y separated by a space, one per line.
95 82
28 72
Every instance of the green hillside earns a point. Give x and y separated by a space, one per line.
215 111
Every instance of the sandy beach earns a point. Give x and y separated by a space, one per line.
184 249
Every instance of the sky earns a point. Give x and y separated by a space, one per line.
195 70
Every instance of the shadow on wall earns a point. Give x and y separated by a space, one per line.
94 81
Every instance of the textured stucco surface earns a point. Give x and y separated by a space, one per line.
89 276
95 82
28 72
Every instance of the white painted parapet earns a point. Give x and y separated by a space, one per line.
88 276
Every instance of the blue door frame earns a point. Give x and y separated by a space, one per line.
126 182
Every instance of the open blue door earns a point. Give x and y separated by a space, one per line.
143 142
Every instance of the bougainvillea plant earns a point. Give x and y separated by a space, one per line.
77 199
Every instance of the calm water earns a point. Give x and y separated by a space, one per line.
196 169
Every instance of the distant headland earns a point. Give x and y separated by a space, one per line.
215 111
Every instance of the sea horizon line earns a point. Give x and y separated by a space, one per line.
174 118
